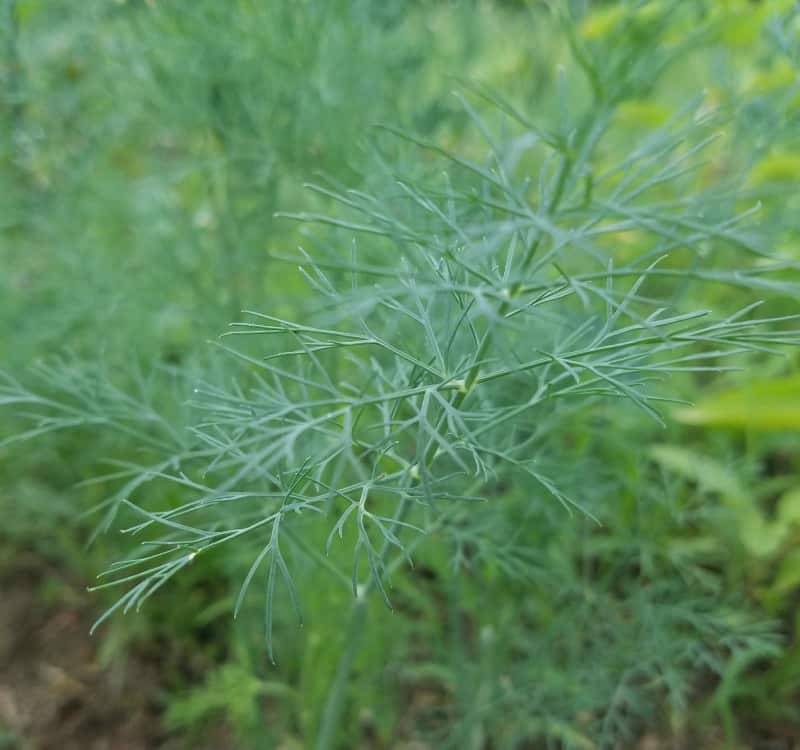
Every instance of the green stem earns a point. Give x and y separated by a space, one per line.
334 705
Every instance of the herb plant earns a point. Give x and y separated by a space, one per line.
469 309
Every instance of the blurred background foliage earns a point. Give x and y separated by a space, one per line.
146 148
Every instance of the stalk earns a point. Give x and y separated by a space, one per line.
334 705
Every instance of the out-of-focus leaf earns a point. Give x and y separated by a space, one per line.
27 9
643 113
780 75
788 577
789 508
766 405
741 21
761 536
778 166
602 22
708 474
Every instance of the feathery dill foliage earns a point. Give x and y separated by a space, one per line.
462 317
467 311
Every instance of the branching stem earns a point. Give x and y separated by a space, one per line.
334 705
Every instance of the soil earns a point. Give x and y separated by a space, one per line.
54 693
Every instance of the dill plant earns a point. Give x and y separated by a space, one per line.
466 310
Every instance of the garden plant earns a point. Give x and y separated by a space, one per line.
497 446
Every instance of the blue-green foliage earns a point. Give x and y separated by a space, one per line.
460 406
